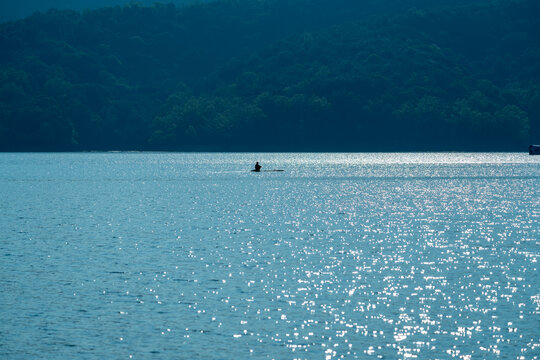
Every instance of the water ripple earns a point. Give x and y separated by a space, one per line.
342 256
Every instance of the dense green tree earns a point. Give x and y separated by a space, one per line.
274 75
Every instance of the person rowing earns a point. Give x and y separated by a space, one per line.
258 169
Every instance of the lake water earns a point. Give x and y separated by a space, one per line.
341 256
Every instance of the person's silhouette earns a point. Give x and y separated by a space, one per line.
257 167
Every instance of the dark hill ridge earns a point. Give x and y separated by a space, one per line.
274 75
14 10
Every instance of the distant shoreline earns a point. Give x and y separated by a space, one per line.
262 152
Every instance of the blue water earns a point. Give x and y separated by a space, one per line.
341 256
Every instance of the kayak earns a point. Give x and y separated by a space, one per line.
267 170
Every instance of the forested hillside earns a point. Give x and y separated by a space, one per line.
274 75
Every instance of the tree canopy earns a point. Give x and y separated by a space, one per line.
307 75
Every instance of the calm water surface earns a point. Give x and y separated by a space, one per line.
341 256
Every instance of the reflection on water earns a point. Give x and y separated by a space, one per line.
426 256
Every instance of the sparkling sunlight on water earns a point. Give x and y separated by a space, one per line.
341 256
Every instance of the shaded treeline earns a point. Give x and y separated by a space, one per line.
274 75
